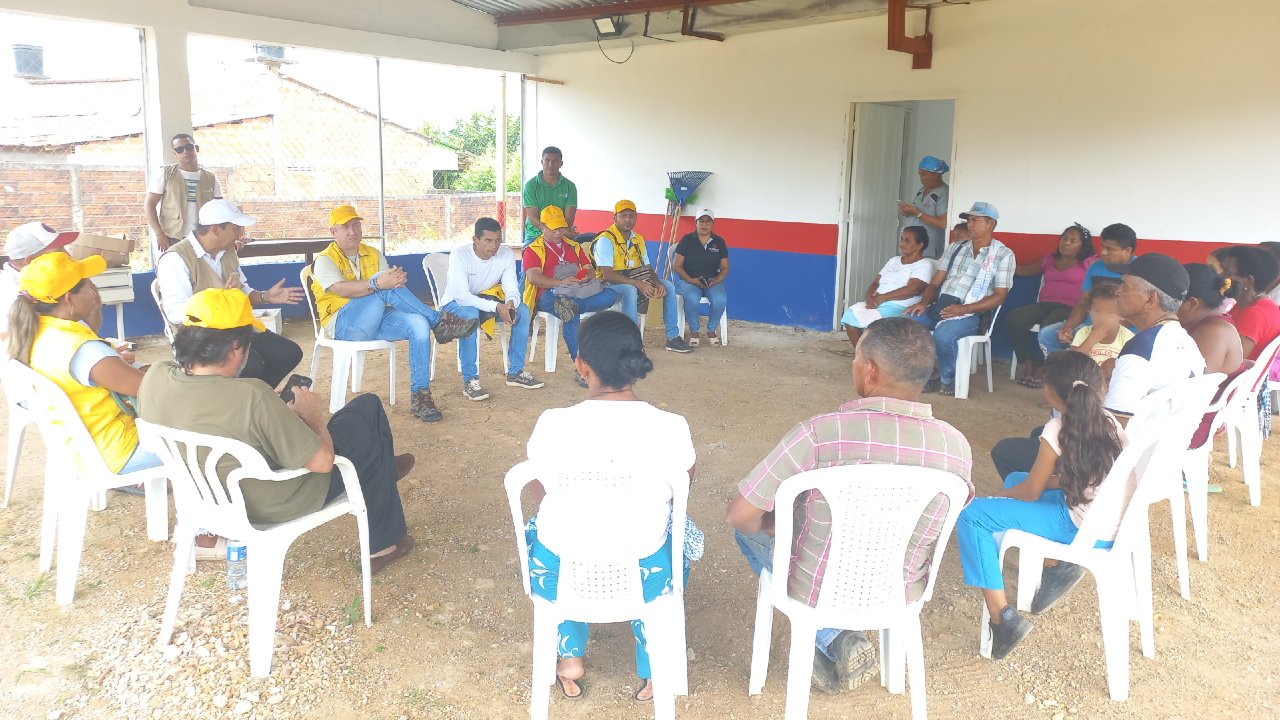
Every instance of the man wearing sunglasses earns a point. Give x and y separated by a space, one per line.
175 194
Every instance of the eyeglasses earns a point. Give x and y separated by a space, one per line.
181 149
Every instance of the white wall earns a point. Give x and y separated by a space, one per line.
1159 114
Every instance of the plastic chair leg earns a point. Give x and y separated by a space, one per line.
73 516
663 646
990 385
964 367
1232 434
912 642
984 634
1250 459
366 575
157 505
266 571
338 383
1142 603
391 374
544 664
800 669
893 652
434 347
183 541
1112 606
1196 472
315 360
1013 365
1178 513
49 515
506 352
551 354
532 354
17 428
357 371
762 637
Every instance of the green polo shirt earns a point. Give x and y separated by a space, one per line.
538 194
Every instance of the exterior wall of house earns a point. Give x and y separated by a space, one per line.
1160 115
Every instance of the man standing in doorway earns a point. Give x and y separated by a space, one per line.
549 188
175 194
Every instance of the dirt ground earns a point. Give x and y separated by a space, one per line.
451 633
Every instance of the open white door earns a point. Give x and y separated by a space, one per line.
874 189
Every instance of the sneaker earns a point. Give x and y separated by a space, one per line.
677 344
524 380
577 377
1006 636
471 390
1055 582
452 327
424 408
825 678
564 308
932 386
948 390
856 659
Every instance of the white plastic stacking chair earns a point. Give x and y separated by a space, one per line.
1173 414
551 326
604 586
436 268
640 317
203 501
1122 574
164 320
1242 424
348 355
874 511
968 357
1195 466
76 478
724 319
19 418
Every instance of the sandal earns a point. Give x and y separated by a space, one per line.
1034 383
645 683
693 341
377 564
582 690
714 340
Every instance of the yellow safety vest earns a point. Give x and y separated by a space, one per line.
539 248
328 303
111 428
626 256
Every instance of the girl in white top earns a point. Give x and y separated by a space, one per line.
898 286
612 426
1077 449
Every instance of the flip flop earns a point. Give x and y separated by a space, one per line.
582 689
376 565
644 683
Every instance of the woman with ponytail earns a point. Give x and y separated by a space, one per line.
1077 449
1203 316
613 425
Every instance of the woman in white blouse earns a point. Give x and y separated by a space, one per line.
898 286
611 426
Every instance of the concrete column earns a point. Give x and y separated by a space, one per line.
167 91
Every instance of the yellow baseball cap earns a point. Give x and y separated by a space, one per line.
624 205
342 215
221 309
553 218
51 276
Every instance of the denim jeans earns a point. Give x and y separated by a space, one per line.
757 548
692 296
602 300
469 351
392 315
946 336
630 297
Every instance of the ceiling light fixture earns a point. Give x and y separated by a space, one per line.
609 26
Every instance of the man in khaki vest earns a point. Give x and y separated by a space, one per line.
176 192
207 259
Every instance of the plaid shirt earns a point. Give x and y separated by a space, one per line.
965 270
870 430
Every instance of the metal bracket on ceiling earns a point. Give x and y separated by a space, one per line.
920 47
686 24
652 37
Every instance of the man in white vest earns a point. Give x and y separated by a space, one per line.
175 194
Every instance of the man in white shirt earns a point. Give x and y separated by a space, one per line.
175 194
24 244
207 259
482 284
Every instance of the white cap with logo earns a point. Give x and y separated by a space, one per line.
27 240
216 212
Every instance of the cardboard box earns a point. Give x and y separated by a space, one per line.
114 250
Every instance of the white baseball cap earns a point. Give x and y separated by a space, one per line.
27 240
216 212
705 212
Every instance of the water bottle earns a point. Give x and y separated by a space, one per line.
237 567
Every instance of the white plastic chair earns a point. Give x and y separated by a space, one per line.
968 358
1173 414
76 478
640 317
164 320
19 419
551 326
1195 467
203 501
874 511
1122 574
599 586
1242 424
724 320
436 268
348 355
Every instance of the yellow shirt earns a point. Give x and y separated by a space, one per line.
1103 352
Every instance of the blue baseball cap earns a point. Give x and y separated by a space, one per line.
929 163
982 209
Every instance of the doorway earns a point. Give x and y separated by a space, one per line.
887 140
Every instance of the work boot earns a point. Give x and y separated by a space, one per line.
565 309
451 327
1055 582
423 407
825 678
1006 636
856 659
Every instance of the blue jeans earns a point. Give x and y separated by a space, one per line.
469 351
602 300
757 548
140 460
630 297
392 315
946 336
1048 336
692 296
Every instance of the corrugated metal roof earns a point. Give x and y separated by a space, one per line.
506 7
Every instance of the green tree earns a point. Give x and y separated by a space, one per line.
482 175
477 136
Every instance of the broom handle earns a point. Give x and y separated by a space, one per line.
671 241
662 252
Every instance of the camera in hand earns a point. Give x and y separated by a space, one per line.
295 381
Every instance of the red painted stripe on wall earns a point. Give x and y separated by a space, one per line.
1029 247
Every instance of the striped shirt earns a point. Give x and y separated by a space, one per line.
992 267
869 430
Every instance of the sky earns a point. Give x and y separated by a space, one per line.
412 92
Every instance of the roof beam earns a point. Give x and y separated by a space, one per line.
623 7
